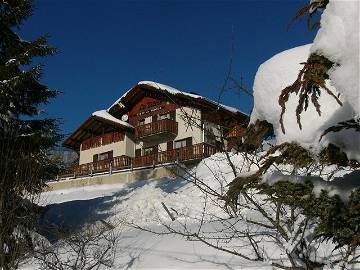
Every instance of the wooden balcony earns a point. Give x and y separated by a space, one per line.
102 140
154 129
193 152
236 131
116 163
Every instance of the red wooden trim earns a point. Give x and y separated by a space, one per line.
193 152
147 107
157 127
102 140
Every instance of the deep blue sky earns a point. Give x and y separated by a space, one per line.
105 47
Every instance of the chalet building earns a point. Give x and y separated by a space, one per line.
153 124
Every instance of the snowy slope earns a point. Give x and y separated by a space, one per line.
139 203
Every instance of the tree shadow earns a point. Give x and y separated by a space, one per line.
70 216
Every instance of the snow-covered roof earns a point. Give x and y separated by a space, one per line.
107 116
174 91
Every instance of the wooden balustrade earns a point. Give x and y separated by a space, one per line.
121 162
157 127
193 152
236 131
102 140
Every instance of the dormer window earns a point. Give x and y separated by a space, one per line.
164 116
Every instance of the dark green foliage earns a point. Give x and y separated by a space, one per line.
308 85
337 221
309 11
333 155
291 154
289 193
25 142
20 90
349 124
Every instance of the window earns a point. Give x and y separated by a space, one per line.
106 155
103 156
183 143
141 122
209 136
168 115
164 116
179 144
148 151
170 145
151 150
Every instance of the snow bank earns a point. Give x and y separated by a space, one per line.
338 40
183 198
274 75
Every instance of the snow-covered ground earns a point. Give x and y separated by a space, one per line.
140 204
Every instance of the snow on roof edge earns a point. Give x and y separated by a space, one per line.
175 91
107 116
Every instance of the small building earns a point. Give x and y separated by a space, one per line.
153 124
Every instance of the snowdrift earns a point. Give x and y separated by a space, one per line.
338 40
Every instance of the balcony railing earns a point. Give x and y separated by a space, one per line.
102 140
157 127
193 152
116 163
236 131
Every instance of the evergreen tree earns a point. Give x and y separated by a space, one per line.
25 137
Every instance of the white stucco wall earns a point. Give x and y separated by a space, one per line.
129 146
189 128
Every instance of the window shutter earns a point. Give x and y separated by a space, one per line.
172 115
189 141
155 149
170 145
